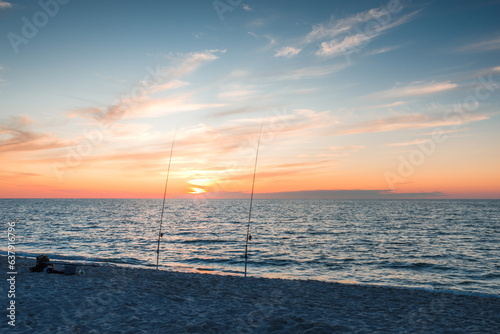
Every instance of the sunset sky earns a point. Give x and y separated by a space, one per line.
364 99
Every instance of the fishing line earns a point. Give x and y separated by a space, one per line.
251 199
160 235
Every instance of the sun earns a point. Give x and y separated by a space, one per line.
196 191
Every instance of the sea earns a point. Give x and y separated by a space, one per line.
447 245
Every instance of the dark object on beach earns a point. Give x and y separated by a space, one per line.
42 261
51 270
43 264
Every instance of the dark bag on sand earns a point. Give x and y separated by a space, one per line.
42 261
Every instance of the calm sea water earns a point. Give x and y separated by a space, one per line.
436 244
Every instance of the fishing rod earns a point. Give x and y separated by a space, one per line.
249 237
160 234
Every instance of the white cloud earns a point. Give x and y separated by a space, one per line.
271 39
343 26
402 122
416 89
335 27
247 7
193 60
167 86
343 36
373 24
131 105
388 105
335 47
161 107
443 132
382 50
5 4
237 91
288 51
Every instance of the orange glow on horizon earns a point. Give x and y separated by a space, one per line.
201 182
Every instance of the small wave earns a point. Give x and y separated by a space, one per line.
490 276
86 259
444 291
209 260
414 265
278 262
202 241
466 282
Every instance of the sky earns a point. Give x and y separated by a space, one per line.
365 99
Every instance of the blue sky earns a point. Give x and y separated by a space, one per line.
347 91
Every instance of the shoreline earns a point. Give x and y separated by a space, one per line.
115 299
58 259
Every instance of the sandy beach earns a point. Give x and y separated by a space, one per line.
110 299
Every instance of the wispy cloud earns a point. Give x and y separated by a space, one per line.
187 63
413 121
382 50
240 110
145 105
258 22
237 94
490 44
269 37
414 142
347 148
335 47
247 7
307 72
330 34
4 174
143 108
184 63
443 132
337 27
386 105
203 145
302 73
415 89
5 4
288 51
237 91
272 40
16 135
161 87
343 36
